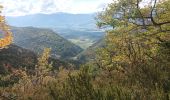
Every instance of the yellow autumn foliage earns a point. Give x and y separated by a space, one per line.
7 34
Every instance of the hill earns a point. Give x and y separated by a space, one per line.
36 39
15 57
89 53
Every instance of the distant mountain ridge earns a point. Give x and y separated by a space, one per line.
57 20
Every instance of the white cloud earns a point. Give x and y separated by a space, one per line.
25 7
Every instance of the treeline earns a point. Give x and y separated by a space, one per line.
134 64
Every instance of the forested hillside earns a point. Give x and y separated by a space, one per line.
132 62
15 57
36 39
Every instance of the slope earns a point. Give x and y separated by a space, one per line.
15 57
36 39
89 53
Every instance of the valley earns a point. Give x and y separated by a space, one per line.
84 50
81 37
80 29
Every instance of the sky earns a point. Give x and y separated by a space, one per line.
27 7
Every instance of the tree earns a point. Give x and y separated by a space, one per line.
8 38
43 67
137 45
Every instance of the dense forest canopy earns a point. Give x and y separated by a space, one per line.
139 43
134 64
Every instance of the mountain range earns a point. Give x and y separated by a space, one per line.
57 20
80 29
66 34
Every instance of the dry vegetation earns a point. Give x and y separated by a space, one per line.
134 65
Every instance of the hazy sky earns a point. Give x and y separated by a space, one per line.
25 7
